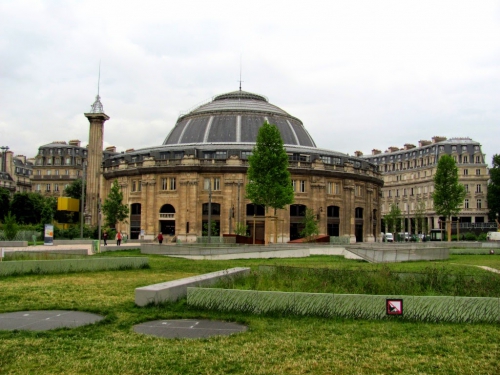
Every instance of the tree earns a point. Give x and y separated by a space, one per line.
269 184
113 208
448 193
493 196
4 202
74 190
420 221
214 229
311 230
393 220
10 227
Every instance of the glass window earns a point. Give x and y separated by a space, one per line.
302 186
478 172
216 183
466 172
478 203
466 203
172 183
163 184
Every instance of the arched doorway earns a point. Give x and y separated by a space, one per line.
256 222
297 214
167 220
358 219
214 217
135 221
333 221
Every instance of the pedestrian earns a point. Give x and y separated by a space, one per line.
160 238
118 238
105 238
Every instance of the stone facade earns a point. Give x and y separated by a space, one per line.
408 175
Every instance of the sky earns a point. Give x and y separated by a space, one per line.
359 74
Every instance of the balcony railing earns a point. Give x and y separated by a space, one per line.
167 216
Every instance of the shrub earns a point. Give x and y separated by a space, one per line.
481 237
10 227
470 236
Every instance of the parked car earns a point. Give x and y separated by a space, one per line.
388 237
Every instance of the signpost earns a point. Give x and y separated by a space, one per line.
48 238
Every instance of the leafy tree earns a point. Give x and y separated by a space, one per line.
420 221
448 193
74 190
269 179
393 219
311 229
48 210
214 229
113 208
27 208
4 202
493 196
10 227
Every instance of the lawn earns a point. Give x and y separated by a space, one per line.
272 345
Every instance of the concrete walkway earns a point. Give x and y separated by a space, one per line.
74 247
489 269
42 320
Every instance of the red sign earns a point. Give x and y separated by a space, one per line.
394 306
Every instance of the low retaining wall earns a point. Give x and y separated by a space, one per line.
13 243
417 308
175 289
227 252
391 253
70 265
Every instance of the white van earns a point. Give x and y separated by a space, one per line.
388 237
493 236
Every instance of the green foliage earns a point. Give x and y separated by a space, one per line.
493 196
113 208
10 226
392 219
420 219
448 194
214 229
269 179
74 190
4 202
470 236
311 229
241 229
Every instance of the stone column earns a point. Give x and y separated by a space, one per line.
94 162
368 217
350 223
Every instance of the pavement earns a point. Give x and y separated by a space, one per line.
87 247
43 320
189 328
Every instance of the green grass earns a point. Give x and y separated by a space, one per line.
272 345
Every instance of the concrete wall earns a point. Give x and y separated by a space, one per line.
13 243
70 265
175 289
416 308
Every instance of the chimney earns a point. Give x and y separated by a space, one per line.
74 142
393 149
376 152
129 150
423 143
437 139
409 146
22 158
358 153
111 149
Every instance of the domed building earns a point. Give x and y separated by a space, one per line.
204 159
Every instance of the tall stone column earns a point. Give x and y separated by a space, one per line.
350 222
96 119
369 214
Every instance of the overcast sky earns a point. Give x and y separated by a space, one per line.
359 74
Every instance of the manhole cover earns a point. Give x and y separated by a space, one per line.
189 328
43 320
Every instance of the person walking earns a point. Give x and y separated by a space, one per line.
160 238
105 238
118 238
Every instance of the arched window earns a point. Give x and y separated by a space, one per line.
167 209
297 210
